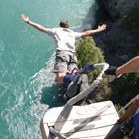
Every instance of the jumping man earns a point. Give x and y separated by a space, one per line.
64 38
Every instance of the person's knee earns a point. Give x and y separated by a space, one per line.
60 80
60 77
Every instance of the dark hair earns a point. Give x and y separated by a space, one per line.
64 23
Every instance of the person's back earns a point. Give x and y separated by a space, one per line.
65 42
64 38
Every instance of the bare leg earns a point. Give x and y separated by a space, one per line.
129 67
60 77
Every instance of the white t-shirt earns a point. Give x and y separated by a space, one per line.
64 38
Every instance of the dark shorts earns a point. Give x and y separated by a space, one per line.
65 62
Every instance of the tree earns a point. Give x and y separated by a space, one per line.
87 52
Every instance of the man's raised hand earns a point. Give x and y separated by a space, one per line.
102 27
25 18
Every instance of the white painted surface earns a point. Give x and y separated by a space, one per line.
92 121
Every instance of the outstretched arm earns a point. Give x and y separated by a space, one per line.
33 24
99 29
129 67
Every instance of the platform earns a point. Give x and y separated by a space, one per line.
94 121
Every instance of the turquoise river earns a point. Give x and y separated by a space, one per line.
27 84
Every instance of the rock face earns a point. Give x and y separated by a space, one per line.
120 8
122 40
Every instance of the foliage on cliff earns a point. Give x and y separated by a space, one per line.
125 88
88 52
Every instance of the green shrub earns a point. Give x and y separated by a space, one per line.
87 52
125 88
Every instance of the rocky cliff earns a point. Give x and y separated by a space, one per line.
122 40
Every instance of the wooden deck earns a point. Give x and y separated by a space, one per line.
94 121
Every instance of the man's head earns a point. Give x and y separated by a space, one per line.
64 24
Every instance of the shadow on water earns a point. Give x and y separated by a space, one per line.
51 97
